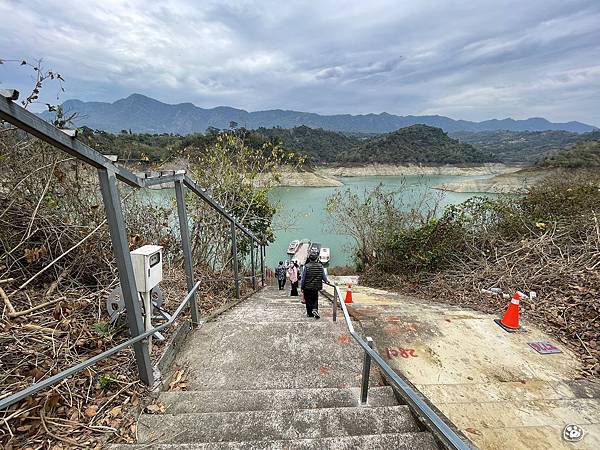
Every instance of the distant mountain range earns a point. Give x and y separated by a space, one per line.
139 113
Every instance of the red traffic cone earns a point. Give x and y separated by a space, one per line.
348 298
510 321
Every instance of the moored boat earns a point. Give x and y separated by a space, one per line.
293 247
324 255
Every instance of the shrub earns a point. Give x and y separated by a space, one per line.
565 204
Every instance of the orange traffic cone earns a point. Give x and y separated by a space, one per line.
348 298
510 321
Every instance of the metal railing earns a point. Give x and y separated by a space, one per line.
6 402
432 420
108 174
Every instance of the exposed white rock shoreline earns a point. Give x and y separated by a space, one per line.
414 169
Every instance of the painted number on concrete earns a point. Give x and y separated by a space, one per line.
545 348
394 352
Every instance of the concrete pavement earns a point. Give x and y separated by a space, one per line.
491 384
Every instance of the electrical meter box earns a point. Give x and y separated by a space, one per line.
147 267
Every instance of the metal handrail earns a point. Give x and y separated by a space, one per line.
109 173
14 114
30 390
434 422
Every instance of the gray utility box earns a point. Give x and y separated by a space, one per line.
147 267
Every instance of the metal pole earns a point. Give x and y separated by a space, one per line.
118 236
262 266
364 388
235 261
186 246
253 265
335 297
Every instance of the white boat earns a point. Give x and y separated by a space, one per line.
293 247
302 252
324 255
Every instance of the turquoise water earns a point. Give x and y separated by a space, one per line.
302 211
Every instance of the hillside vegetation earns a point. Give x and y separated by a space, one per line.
545 240
317 144
522 146
581 155
417 144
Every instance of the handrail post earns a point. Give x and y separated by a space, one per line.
262 265
186 247
235 260
118 236
253 264
364 388
335 297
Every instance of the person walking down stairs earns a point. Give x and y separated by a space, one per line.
293 273
313 276
280 271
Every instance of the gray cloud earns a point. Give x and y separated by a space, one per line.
465 59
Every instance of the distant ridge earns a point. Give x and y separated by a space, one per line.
139 113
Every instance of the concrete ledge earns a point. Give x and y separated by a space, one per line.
420 441
267 426
400 395
173 345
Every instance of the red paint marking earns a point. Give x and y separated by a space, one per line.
344 340
392 319
394 352
392 329
324 370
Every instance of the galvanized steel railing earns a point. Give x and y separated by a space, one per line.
432 420
108 174
30 390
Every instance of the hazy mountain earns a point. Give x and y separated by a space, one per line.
143 114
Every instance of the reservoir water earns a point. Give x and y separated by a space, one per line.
302 211
302 215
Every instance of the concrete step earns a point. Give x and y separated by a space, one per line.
274 425
421 441
181 402
251 355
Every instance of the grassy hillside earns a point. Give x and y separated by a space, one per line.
418 144
522 146
320 146
582 155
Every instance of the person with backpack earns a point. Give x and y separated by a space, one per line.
313 276
280 271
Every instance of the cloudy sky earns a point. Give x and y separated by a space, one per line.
468 59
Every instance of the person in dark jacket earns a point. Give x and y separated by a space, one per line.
280 271
313 276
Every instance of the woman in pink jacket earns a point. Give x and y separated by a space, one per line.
293 274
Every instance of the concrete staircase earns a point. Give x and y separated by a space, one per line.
263 375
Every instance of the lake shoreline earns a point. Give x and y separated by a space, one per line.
503 183
327 176
380 170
